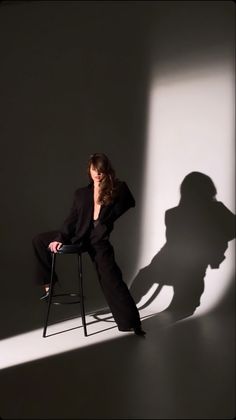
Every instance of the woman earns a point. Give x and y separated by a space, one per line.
95 209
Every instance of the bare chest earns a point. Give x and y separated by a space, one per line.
97 206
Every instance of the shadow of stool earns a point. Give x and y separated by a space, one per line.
70 297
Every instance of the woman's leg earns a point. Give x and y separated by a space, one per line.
115 289
43 257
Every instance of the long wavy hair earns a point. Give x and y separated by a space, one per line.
109 183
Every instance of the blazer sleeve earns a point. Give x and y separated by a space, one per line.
67 229
123 202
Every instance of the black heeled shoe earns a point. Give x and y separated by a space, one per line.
45 296
139 331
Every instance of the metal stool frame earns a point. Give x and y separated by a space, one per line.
66 249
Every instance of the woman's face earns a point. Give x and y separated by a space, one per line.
96 175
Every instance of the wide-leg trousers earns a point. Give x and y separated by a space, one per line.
115 290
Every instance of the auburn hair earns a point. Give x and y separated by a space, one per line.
109 182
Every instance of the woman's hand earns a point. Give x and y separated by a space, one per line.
54 246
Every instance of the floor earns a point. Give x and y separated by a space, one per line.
183 368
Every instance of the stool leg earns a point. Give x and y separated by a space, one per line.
80 275
51 287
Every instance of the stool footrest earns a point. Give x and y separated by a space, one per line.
66 295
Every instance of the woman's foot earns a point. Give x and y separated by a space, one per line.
137 330
46 293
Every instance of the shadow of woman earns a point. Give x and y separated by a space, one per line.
197 234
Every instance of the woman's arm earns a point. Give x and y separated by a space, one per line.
123 202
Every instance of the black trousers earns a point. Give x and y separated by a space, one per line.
115 290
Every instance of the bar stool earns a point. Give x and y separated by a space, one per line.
67 249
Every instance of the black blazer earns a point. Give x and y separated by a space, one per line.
78 222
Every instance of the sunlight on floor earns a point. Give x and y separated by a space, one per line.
61 337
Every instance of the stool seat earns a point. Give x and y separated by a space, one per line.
71 249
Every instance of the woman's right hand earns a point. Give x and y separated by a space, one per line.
55 246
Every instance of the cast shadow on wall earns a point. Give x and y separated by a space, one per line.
197 234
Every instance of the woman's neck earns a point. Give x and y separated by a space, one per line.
96 185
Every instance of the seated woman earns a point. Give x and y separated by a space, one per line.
95 209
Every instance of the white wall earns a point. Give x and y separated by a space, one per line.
190 128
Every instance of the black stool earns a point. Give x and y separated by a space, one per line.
67 249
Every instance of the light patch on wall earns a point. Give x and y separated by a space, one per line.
191 128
